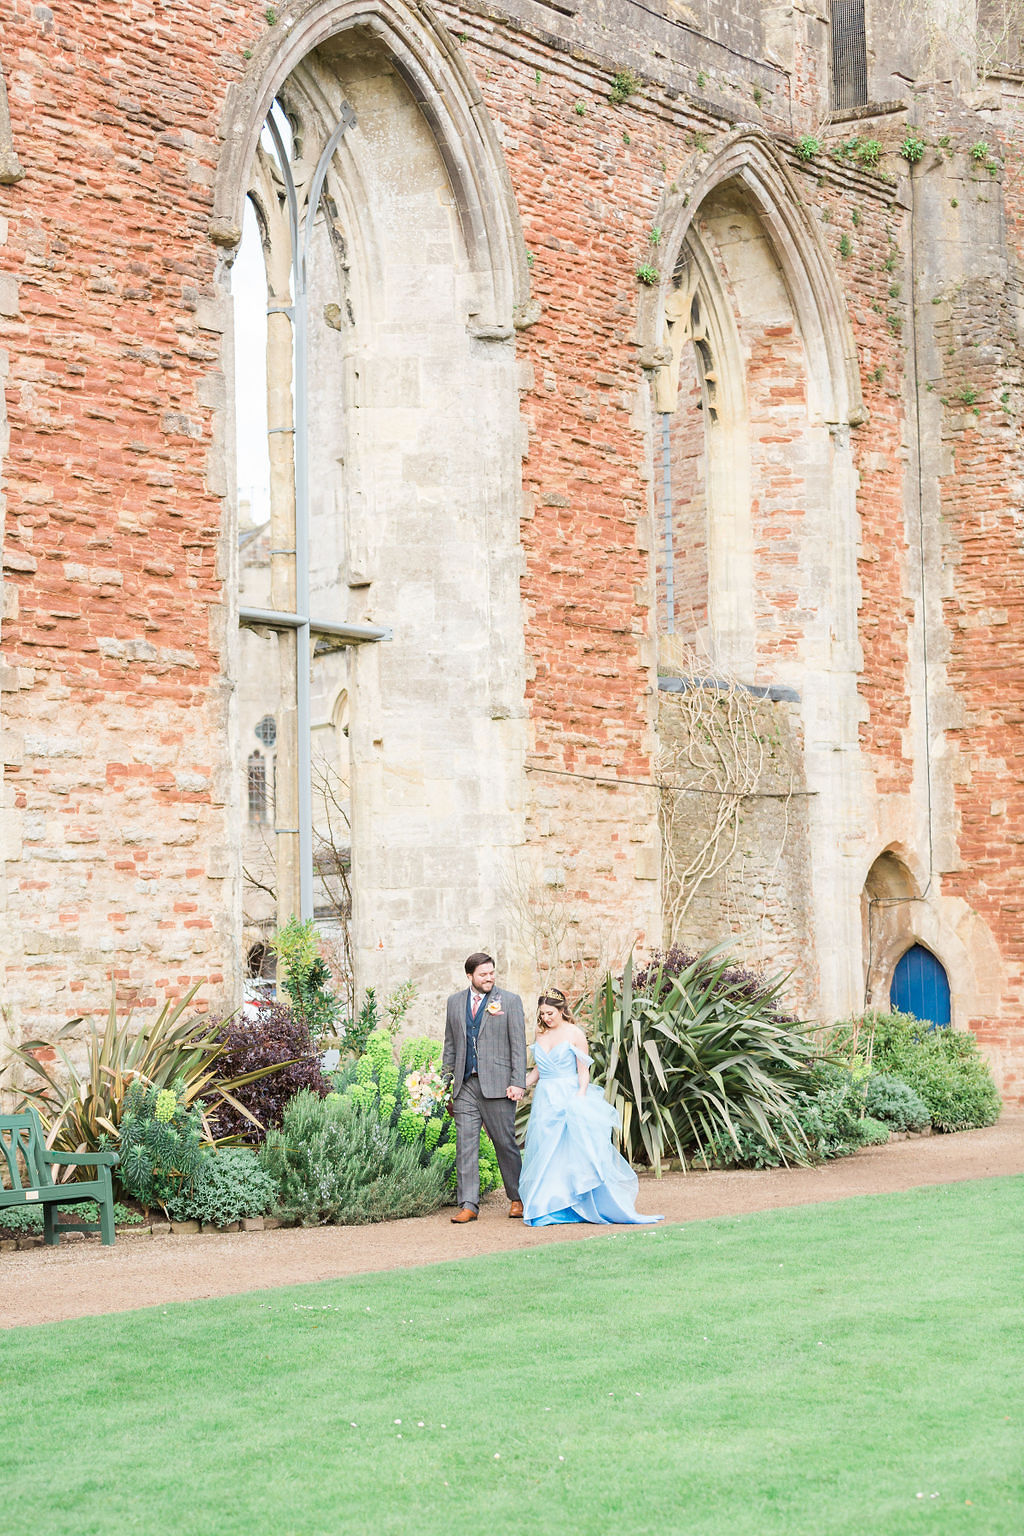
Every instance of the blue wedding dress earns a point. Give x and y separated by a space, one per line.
571 1171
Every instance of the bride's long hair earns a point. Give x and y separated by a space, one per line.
553 999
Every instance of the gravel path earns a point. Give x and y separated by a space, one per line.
82 1278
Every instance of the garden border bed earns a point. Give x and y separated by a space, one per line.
85 1279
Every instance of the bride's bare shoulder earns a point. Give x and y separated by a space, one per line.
576 1035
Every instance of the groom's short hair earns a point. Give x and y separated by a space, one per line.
476 960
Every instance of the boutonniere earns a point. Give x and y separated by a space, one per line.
493 1007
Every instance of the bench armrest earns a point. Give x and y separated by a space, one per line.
87 1159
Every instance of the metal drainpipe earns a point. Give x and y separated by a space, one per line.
666 496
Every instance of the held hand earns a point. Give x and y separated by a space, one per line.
514 1093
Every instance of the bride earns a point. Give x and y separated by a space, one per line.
571 1171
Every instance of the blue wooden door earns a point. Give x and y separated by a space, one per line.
920 986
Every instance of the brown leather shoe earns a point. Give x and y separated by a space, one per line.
466 1214
515 1209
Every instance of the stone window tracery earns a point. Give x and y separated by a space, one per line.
291 593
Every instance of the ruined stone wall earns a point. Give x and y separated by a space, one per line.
735 819
122 819
117 788
974 202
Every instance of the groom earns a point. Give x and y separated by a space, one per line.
485 1060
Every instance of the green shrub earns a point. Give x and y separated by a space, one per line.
700 1055
943 1065
306 976
890 1099
159 1143
378 1084
26 1220
807 146
874 1133
228 1186
335 1161
829 1115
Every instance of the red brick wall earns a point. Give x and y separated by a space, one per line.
113 534
983 603
112 528
688 458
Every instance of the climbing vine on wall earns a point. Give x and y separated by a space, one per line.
722 751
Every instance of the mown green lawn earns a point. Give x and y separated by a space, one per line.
853 1368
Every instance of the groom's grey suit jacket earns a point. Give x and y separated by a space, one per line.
500 1046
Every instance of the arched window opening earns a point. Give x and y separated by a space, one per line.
920 986
261 963
753 478
289 284
745 448
257 783
387 265
849 55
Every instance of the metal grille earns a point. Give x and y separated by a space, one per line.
849 55
257 784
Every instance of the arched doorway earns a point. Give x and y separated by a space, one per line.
920 986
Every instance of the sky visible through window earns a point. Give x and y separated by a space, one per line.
249 291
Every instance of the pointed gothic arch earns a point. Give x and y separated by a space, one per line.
427 59
748 157
411 270
753 370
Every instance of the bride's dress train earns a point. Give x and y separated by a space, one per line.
571 1171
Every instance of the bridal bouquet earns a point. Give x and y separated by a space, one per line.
425 1091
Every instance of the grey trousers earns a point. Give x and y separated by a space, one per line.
498 1117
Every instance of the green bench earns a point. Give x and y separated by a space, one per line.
29 1163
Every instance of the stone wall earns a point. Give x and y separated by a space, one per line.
496 463
117 795
736 823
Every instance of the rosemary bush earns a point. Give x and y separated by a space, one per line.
335 1161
